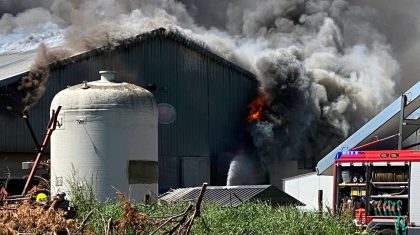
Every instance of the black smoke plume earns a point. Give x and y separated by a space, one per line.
35 82
324 69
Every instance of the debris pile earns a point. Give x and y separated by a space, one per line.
132 219
34 219
26 217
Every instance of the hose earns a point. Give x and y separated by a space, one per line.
386 207
386 176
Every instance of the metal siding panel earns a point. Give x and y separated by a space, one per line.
238 106
291 187
309 197
195 171
298 187
167 92
230 92
193 99
415 193
182 75
215 115
219 88
169 172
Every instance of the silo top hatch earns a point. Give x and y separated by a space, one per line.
105 94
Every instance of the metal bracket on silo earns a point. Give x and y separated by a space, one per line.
81 120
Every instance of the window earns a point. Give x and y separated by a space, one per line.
167 113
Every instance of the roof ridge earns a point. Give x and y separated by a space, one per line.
159 32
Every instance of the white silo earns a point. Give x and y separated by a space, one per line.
107 134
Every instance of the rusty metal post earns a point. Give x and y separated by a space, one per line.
320 192
51 127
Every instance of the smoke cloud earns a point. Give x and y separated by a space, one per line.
323 69
400 22
34 83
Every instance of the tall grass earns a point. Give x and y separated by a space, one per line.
262 218
248 218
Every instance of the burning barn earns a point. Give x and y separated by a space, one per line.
322 71
202 102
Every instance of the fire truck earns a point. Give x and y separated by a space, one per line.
379 189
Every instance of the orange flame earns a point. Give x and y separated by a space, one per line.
256 108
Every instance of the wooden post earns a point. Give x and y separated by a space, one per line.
320 201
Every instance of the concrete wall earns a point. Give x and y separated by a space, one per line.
305 189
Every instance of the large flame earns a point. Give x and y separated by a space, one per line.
255 108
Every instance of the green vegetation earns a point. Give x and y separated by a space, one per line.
248 218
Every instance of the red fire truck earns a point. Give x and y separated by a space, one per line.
380 189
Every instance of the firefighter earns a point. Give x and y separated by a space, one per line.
40 191
41 197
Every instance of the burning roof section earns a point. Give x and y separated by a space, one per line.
232 196
383 125
15 65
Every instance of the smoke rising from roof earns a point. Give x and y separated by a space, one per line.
323 68
34 83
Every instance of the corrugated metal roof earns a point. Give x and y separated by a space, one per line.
383 125
17 63
299 176
231 196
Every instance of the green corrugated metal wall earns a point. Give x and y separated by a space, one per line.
210 98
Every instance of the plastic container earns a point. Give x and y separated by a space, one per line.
346 176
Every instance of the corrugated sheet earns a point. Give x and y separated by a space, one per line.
195 170
231 196
209 94
12 64
170 175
